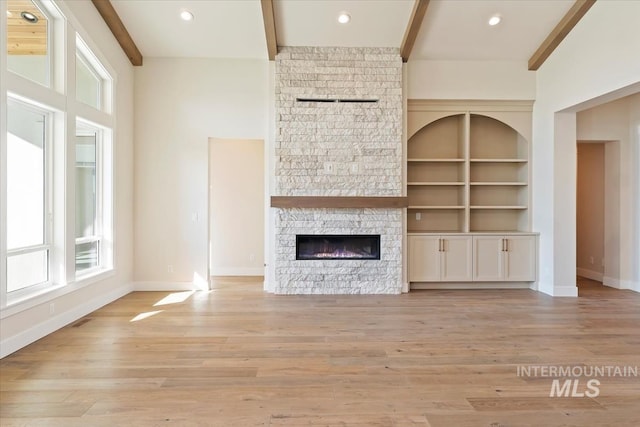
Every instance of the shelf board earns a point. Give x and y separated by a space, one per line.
506 183
451 160
432 231
498 160
501 207
436 207
480 230
435 183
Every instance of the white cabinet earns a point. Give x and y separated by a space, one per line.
440 258
520 258
469 257
509 258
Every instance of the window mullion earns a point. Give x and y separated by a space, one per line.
87 239
28 250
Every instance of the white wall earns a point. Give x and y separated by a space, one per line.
470 80
179 105
236 207
617 121
634 135
24 323
597 62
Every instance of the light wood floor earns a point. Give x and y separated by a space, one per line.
238 357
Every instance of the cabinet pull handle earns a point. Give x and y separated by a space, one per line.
506 245
503 240
443 246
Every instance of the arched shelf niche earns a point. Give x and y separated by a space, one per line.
468 171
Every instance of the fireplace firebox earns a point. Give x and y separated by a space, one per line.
337 246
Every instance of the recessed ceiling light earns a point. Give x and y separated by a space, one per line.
344 18
186 15
29 17
495 20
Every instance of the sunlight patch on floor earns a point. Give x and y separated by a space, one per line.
175 298
145 315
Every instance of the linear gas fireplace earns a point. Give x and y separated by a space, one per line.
337 246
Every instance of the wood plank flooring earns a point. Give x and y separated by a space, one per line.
236 356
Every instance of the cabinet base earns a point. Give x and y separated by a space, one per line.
471 285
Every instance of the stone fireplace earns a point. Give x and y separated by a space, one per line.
338 134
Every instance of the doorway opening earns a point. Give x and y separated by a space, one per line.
608 194
236 209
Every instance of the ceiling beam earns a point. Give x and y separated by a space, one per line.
268 17
417 15
566 24
111 18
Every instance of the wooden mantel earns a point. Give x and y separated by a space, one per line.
338 202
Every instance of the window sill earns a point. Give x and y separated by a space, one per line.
93 275
55 291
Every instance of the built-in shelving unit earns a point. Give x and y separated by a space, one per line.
468 192
468 167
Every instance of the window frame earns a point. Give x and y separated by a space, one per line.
22 293
84 128
49 10
90 59
66 37
81 57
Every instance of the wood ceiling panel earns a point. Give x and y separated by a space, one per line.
23 37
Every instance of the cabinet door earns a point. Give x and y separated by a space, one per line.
520 259
488 258
424 258
457 258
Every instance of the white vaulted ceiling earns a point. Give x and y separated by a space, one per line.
458 30
451 30
377 23
221 28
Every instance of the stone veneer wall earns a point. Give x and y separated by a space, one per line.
338 149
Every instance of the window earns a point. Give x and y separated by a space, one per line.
88 83
56 157
88 198
92 80
29 44
27 196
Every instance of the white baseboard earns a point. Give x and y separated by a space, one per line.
166 286
611 282
34 333
590 274
565 291
239 271
621 284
